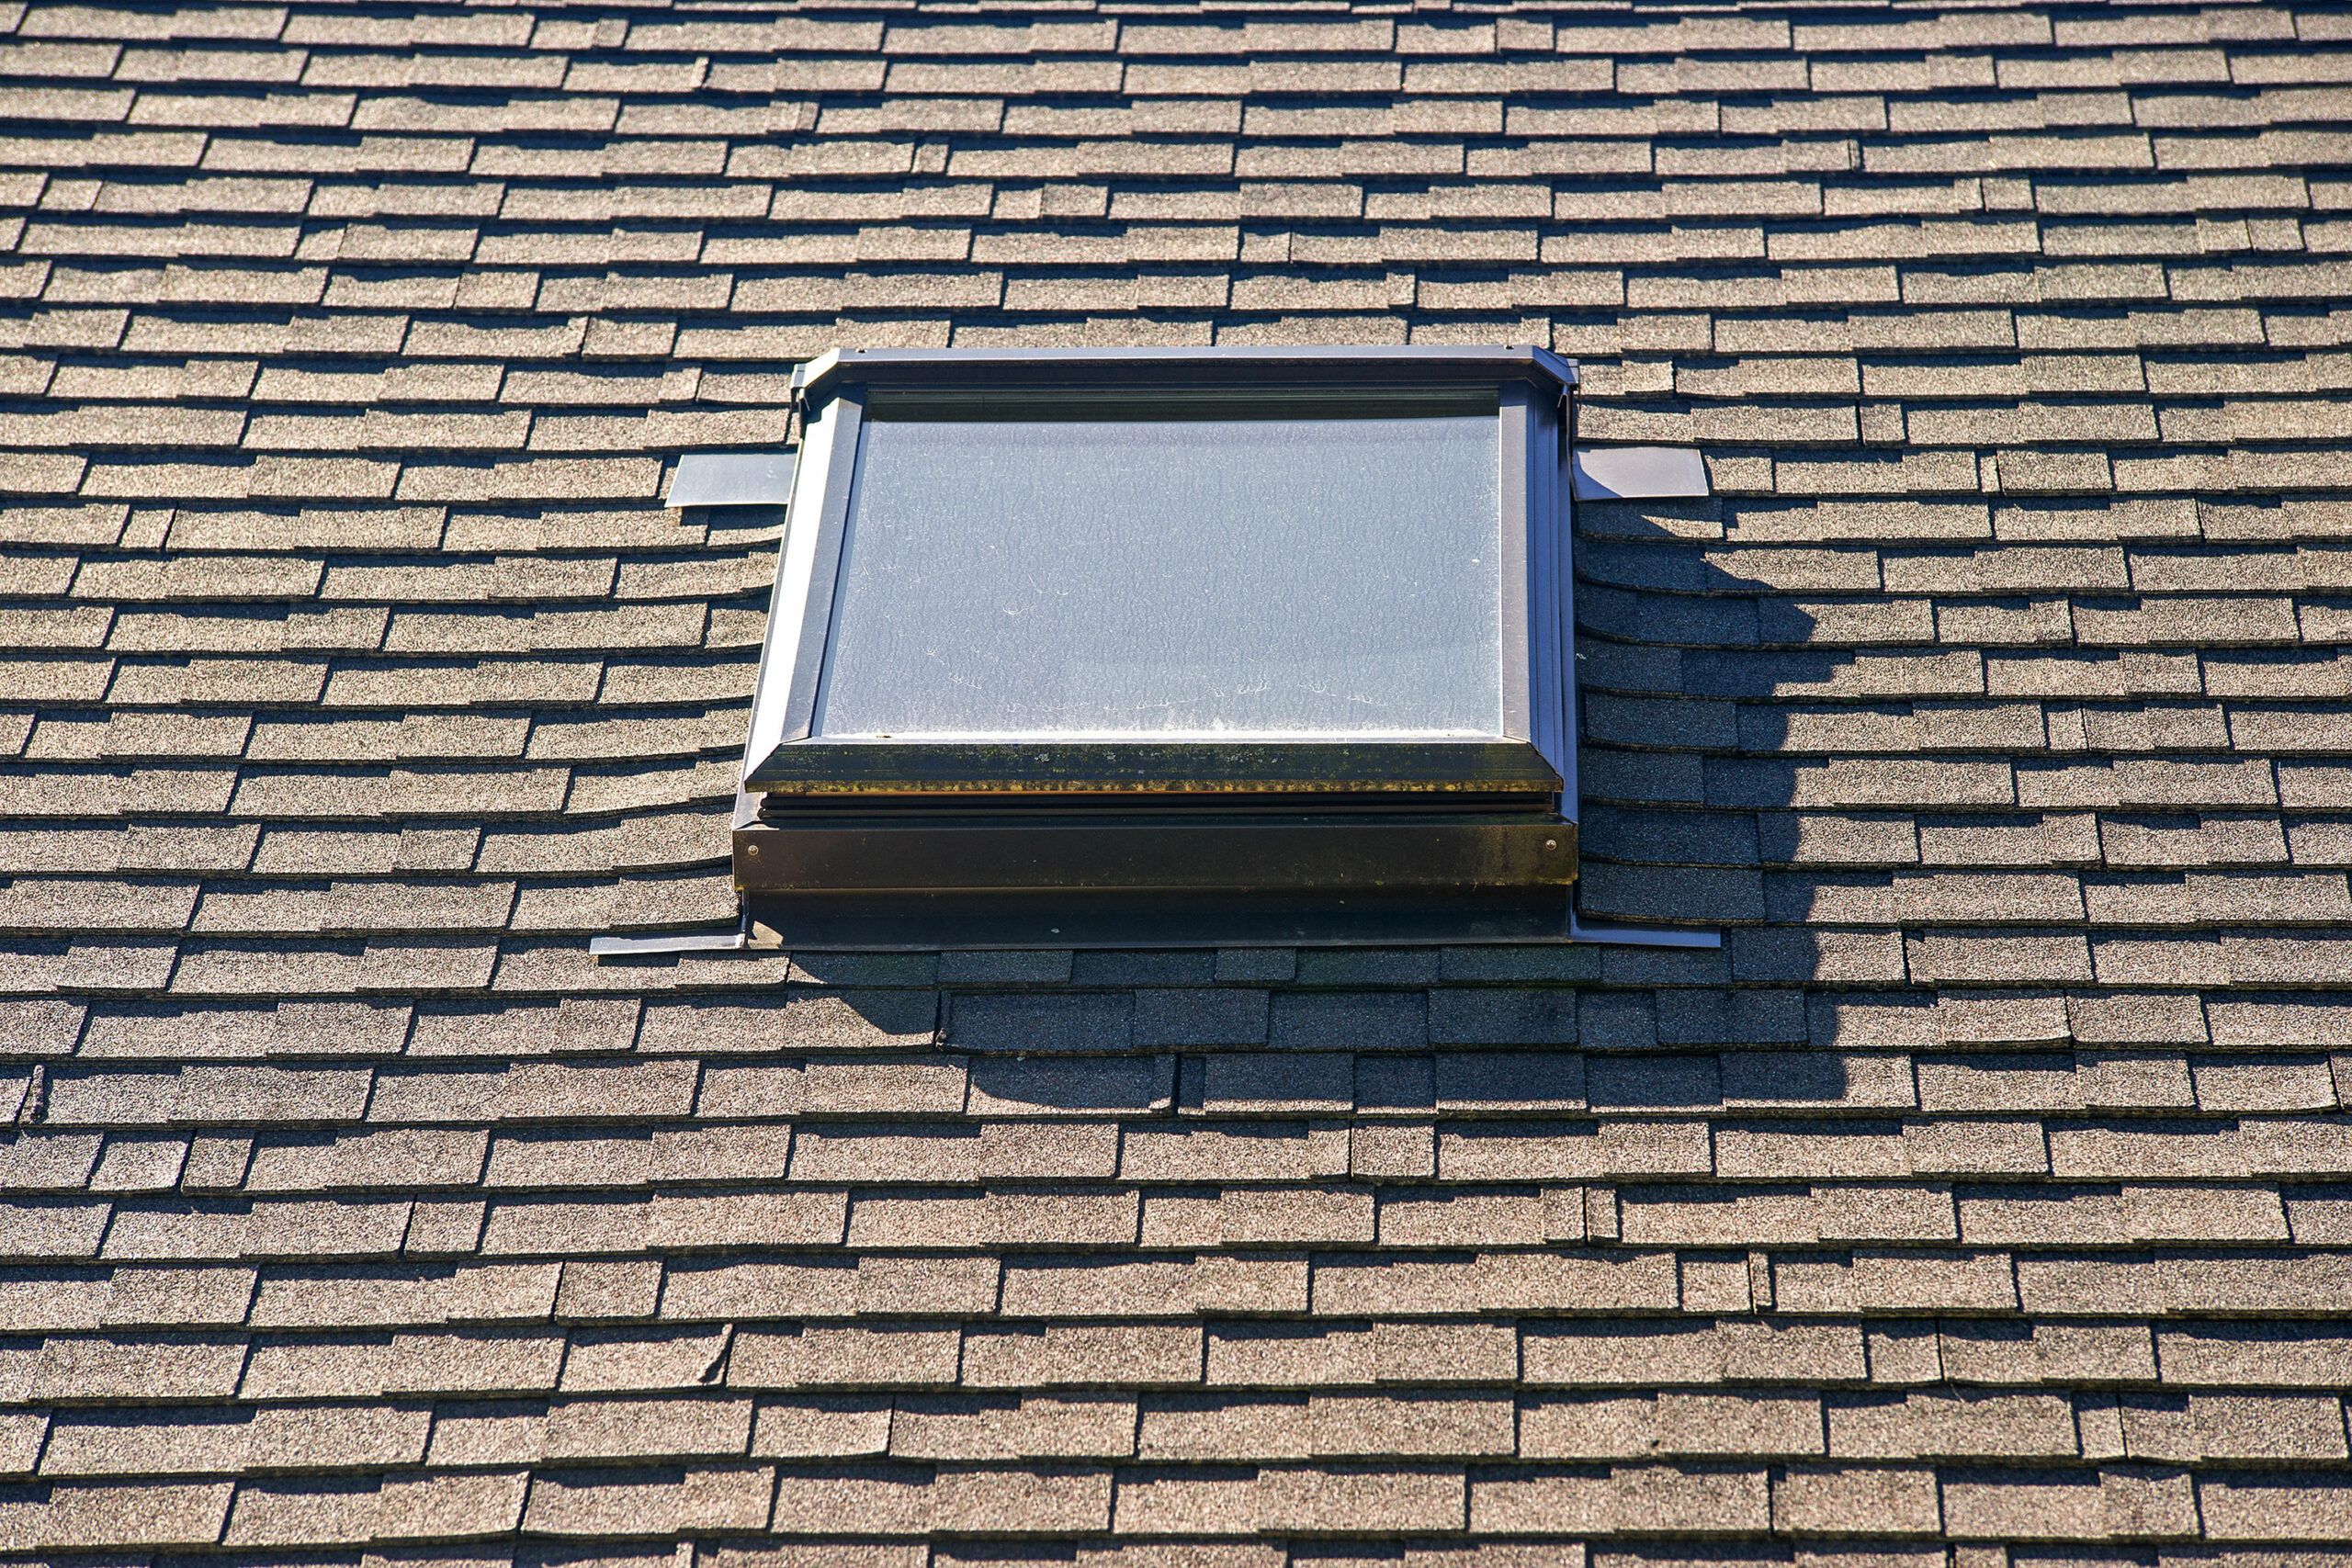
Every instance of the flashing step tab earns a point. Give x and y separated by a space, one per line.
666 944
732 478
1637 473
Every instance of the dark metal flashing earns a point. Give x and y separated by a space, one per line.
1144 851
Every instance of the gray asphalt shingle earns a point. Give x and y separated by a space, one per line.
1983 1201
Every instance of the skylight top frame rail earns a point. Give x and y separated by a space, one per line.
1262 370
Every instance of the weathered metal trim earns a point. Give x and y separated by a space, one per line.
827 766
1467 854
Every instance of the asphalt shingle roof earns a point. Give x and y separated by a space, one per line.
1985 1200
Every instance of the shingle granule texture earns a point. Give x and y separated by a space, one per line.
1985 1200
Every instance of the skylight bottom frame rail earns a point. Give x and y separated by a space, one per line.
921 882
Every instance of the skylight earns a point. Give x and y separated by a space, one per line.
1208 645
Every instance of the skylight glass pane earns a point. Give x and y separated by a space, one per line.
1128 578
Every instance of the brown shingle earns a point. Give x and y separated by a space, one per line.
913 1501
667 1500
1011 1427
98 1515
1871 1501
1983 1186
1082 1357
1632 1498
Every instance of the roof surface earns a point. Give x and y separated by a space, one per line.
1989 1187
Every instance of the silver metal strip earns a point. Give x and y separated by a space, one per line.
1638 473
1611 933
732 478
682 942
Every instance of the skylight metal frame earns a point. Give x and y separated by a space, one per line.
833 834
1534 751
